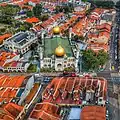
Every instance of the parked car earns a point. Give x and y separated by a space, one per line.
70 74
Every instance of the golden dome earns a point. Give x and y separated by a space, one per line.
56 30
59 51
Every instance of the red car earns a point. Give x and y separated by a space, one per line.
70 74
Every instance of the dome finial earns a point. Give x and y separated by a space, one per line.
56 30
59 51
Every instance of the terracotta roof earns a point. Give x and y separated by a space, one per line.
10 111
10 85
3 4
32 93
60 87
68 23
13 109
93 113
104 26
48 22
5 36
5 56
32 20
97 47
26 6
45 111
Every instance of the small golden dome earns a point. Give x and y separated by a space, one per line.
59 51
56 30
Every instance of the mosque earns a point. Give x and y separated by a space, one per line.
58 52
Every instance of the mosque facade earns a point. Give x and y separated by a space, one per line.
58 52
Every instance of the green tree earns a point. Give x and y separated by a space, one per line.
104 4
102 57
117 4
22 28
37 10
70 69
29 13
66 9
93 60
84 0
44 17
58 9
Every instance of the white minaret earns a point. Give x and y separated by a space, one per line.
42 34
70 33
79 1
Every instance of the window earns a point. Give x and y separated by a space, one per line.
68 65
59 65
45 65
49 65
65 61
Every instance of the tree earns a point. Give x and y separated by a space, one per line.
102 57
32 68
9 10
84 0
58 9
93 60
104 4
29 13
37 10
77 38
69 69
117 4
44 17
66 9
22 28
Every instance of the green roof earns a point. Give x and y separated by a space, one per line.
52 43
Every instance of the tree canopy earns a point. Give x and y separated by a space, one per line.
37 10
93 60
117 4
66 9
104 4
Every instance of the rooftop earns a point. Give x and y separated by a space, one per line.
32 20
54 42
93 113
10 111
9 86
4 56
66 90
45 111
21 38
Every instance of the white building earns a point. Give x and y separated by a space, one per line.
20 42
58 52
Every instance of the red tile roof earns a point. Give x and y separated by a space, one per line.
32 20
48 22
61 87
13 109
93 113
9 87
5 36
97 47
45 111
5 56
26 6
10 111
104 26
